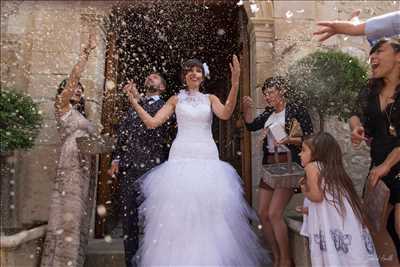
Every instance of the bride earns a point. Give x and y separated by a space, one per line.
195 213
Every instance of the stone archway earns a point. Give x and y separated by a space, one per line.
216 38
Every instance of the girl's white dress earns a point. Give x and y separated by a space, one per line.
335 240
194 210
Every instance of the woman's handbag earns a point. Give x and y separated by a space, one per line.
295 129
282 174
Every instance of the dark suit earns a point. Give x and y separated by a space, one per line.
138 149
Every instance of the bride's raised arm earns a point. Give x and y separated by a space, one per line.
224 112
161 116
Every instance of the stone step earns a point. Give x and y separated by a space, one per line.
105 260
105 253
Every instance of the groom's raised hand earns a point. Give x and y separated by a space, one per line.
132 92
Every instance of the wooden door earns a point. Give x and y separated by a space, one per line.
233 139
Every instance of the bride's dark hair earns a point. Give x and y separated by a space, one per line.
188 65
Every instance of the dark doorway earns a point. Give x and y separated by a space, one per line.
158 36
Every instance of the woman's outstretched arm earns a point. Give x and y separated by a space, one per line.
62 100
224 112
386 25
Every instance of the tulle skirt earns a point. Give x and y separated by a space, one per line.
195 215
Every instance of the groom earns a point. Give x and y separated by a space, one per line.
138 149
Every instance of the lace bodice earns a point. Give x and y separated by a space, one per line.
194 118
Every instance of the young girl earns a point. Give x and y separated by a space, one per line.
334 223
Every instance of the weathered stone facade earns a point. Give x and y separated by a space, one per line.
40 43
41 40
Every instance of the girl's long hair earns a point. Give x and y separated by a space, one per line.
326 150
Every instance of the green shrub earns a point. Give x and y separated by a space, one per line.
20 121
328 82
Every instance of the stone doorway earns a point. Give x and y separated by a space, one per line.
157 36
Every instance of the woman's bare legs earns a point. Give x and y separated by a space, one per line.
279 201
264 200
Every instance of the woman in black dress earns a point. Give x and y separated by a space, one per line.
378 121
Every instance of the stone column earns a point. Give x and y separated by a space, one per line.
261 36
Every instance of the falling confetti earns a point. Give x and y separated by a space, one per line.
101 210
289 14
108 239
355 20
254 8
221 32
59 231
110 85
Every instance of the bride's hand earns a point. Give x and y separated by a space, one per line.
235 70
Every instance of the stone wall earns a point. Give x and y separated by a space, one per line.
40 43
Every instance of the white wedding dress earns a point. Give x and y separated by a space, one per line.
194 210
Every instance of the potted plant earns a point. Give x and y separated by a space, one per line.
20 121
328 82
